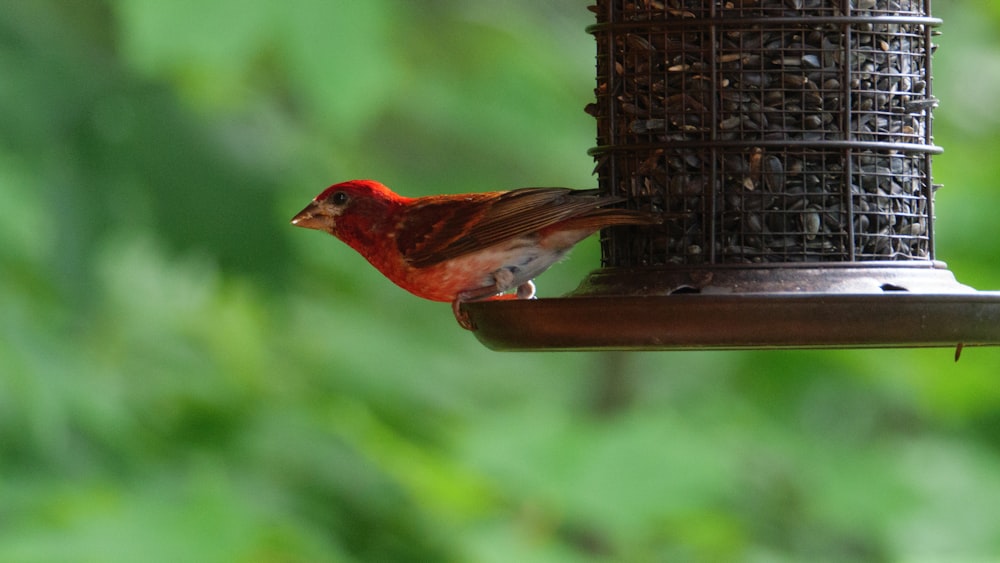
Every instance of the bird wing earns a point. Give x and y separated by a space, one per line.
439 228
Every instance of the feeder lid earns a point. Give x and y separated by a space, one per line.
811 308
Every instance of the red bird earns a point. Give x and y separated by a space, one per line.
467 247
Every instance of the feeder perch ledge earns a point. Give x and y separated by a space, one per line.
872 311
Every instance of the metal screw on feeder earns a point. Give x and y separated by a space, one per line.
788 145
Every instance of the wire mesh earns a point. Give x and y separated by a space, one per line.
767 131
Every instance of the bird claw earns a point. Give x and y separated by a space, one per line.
462 316
526 290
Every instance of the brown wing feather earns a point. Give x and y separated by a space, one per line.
434 223
438 229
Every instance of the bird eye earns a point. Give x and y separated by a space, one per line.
339 198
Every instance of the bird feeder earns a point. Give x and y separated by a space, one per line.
788 146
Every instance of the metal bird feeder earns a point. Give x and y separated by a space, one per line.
788 145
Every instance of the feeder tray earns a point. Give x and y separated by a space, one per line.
788 146
769 308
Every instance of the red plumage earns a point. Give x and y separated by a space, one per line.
466 247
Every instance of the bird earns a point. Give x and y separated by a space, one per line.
459 248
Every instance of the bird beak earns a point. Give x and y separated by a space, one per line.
311 218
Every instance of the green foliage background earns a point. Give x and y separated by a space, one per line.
184 377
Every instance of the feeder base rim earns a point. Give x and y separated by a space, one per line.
739 321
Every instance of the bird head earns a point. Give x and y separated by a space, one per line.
357 212
336 206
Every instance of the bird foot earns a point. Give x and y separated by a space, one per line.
464 297
524 291
461 315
